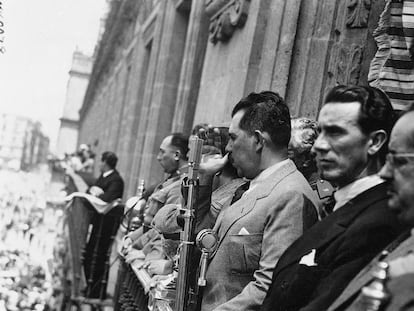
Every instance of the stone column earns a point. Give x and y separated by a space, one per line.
277 52
155 22
164 91
190 76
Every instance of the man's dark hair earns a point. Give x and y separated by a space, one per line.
180 141
267 112
376 112
109 158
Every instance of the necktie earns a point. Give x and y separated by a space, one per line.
239 192
328 205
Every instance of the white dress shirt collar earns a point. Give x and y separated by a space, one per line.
107 173
350 191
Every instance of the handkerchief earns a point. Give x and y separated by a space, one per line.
309 259
243 231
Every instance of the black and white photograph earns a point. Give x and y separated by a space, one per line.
207 155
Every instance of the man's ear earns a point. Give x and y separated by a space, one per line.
376 140
177 155
259 140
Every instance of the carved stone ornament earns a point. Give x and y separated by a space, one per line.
225 17
358 12
345 65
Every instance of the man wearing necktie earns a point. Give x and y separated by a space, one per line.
108 187
255 229
399 173
355 123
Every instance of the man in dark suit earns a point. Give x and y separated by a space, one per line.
399 173
312 272
108 188
109 185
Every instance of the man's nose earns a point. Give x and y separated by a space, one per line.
386 171
228 147
320 145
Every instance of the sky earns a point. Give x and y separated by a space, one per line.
40 37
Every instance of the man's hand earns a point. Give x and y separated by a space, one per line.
212 160
96 191
211 164
213 137
126 245
159 266
134 254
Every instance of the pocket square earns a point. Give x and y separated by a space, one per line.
309 259
243 231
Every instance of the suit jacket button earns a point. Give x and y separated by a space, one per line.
284 285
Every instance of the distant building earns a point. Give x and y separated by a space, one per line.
35 147
22 143
69 122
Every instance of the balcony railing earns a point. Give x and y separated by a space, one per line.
90 236
89 263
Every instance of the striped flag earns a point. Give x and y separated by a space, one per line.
392 68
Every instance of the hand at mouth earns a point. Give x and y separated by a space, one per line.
213 164
230 158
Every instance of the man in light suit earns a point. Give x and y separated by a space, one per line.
255 230
399 172
350 149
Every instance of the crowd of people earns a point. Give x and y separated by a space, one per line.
23 286
82 160
29 227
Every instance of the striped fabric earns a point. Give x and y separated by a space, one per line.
392 68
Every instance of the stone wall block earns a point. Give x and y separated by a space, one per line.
165 87
313 41
194 51
226 69
142 132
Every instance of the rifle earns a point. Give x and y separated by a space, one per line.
183 296
137 213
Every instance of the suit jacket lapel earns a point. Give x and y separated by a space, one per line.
314 238
330 227
247 202
365 275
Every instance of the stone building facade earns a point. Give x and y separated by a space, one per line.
80 70
164 65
